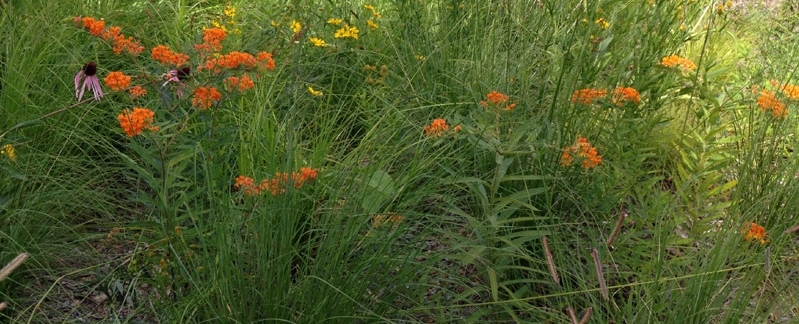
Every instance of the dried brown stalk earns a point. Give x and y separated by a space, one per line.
571 315
617 229
586 316
551 262
599 273
13 265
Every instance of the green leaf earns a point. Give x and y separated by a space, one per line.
382 182
14 172
494 283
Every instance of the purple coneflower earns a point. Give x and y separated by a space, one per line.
178 76
90 72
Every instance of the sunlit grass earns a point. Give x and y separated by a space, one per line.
399 161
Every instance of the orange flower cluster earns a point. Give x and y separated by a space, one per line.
94 26
768 101
212 40
673 61
117 81
120 42
623 95
438 127
789 90
586 96
137 91
204 97
497 99
278 184
165 55
584 150
754 232
241 84
247 185
231 60
265 61
112 34
133 123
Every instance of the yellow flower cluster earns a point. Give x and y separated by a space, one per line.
347 31
229 14
315 93
296 26
602 23
8 150
318 42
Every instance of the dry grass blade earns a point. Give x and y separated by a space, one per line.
12 265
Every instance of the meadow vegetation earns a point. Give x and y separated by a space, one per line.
399 161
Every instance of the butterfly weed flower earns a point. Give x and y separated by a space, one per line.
673 61
247 185
304 175
622 95
789 90
437 128
587 96
334 21
241 84
94 26
265 60
212 40
134 122
497 99
582 149
235 60
755 232
768 101
204 97
112 34
9 151
166 56
117 81
89 75
120 42
137 91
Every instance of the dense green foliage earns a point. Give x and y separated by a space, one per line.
399 161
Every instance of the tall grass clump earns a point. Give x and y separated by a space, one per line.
398 161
